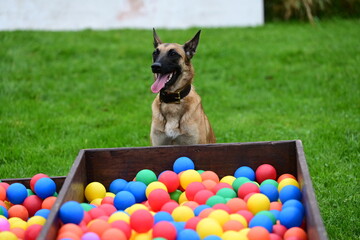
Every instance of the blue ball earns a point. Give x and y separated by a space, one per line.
270 191
261 220
200 208
45 187
276 213
71 212
123 200
291 217
162 216
188 234
294 203
43 213
138 189
117 185
16 193
180 226
212 237
245 171
182 164
290 192
4 212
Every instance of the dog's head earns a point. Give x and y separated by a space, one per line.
171 64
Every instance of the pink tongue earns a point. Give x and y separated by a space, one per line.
159 83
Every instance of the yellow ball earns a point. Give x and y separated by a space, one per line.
221 216
258 202
154 185
133 208
36 220
6 235
182 198
239 218
182 214
188 177
208 226
94 190
288 181
244 232
119 216
231 235
96 201
228 179
18 224
110 194
142 236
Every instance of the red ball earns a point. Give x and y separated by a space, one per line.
192 189
265 171
141 221
97 212
222 206
35 178
108 208
279 229
202 196
164 229
169 206
274 236
33 232
219 186
258 233
192 223
170 179
33 204
107 200
157 198
247 188
123 226
246 214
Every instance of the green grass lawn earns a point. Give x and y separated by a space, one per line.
64 91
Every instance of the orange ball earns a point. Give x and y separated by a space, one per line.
210 175
258 233
113 234
48 202
232 225
205 213
98 226
286 175
209 184
2 193
71 227
276 206
295 232
236 204
19 232
18 211
68 235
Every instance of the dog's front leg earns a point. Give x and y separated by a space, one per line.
159 138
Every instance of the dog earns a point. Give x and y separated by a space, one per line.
178 117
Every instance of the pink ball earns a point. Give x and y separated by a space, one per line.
274 236
247 188
4 225
170 179
157 198
192 189
265 171
202 196
279 229
169 206
164 229
141 221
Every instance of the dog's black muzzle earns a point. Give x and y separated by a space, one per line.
156 67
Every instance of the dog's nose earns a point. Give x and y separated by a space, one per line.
156 67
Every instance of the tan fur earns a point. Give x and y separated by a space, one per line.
184 123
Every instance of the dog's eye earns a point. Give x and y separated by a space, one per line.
172 53
156 52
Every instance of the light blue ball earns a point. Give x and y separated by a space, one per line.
162 216
45 187
183 164
212 237
43 213
245 171
188 234
71 212
16 193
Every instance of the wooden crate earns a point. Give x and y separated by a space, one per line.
106 165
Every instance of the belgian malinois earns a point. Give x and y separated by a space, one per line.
178 117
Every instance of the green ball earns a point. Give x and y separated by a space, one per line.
175 195
270 181
240 181
215 200
86 206
226 193
146 176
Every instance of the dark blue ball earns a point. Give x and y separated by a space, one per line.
270 191
245 171
182 164
4 212
291 217
294 203
188 234
117 185
138 189
16 193
290 192
45 187
71 212
123 200
261 220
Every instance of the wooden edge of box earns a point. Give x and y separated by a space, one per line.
315 225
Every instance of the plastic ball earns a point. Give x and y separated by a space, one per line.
239 182
247 188
98 226
123 200
200 208
182 214
258 233
231 235
45 187
169 206
117 185
290 192
113 234
270 215
2 193
94 190
270 181
146 176
119 215
245 171
207 227
138 190
157 198
226 193
33 232
270 191
188 234
279 229
155 185
33 204
175 195
265 171
35 178
71 212
291 217
16 193
228 179
165 230
36 220
19 232
48 202
170 179
7 235
4 212
294 203
275 206
260 220
220 216
90 236
245 214
258 202
162 216
192 223
236 204
215 200
210 175
18 223
123 226
212 237
141 221
70 227
296 232
192 189
286 175
18 211
232 225
4 225
188 177
286 182
202 196
182 164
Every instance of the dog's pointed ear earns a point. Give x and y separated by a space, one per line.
190 46
157 40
